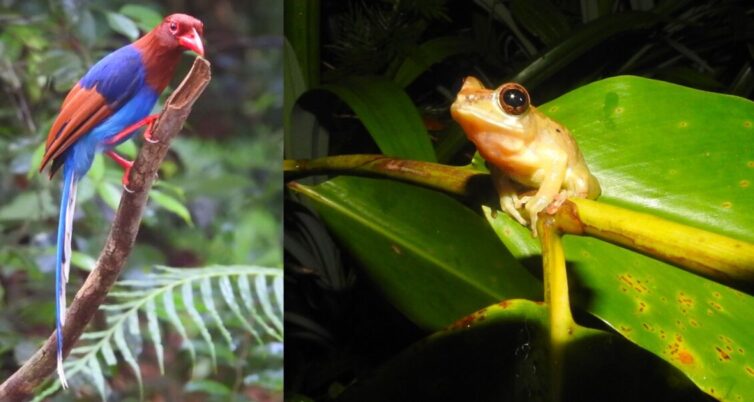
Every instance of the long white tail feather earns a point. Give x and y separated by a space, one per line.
69 230
61 373
66 262
68 206
61 296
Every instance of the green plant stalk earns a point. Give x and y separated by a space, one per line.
556 298
452 179
718 257
709 254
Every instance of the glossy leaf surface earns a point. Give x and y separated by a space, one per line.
415 243
673 151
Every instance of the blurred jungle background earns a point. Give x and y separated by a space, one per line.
360 75
214 213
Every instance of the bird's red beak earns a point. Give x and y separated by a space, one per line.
192 41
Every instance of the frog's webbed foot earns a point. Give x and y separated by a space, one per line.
510 202
534 206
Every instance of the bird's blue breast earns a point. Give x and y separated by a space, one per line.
120 78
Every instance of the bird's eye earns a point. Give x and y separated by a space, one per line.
513 98
173 27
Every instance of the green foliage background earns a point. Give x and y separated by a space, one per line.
218 200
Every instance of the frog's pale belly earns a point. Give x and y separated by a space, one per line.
577 181
581 183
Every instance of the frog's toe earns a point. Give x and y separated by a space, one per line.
517 216
557 202
508 205
520 202
534 220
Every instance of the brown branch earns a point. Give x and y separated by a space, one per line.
120 240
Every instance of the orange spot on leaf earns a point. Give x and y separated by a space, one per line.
469 320
685 357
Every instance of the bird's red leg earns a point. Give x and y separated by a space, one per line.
148 132
148 121
125 164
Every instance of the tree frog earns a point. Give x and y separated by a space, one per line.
534 161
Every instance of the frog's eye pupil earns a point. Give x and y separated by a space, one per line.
514 99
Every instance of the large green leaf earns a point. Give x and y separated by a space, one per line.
687 155
388 114
417 244
672 151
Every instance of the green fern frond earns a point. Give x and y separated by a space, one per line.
260 309
188 302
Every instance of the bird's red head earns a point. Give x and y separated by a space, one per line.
182 30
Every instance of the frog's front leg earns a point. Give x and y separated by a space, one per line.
549 189
509 200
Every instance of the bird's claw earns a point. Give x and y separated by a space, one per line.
148 135
148 132
125 181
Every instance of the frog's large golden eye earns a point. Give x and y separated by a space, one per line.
513 98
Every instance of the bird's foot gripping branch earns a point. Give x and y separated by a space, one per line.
120 240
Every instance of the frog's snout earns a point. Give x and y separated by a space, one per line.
471 83
472 90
